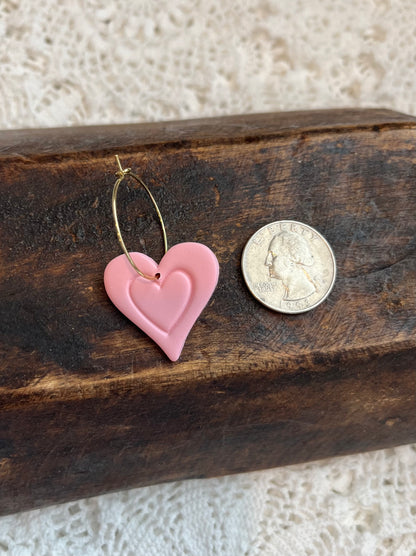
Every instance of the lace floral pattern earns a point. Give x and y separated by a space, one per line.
360 505
87 61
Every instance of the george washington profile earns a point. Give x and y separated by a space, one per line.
289 258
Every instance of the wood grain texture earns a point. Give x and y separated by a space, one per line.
89 404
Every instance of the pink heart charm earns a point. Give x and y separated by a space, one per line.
165 309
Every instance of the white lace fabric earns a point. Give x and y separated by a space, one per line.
93 62
360 505
77 62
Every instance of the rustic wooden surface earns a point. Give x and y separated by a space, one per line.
89 404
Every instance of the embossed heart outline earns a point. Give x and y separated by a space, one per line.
165 309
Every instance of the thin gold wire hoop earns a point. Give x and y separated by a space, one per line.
122 173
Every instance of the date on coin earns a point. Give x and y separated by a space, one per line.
288 266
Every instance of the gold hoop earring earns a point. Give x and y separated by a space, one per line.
164 300
123 173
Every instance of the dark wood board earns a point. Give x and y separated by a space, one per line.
89 404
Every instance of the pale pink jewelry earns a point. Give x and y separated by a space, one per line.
164 300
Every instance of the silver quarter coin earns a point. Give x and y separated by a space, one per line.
288 266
